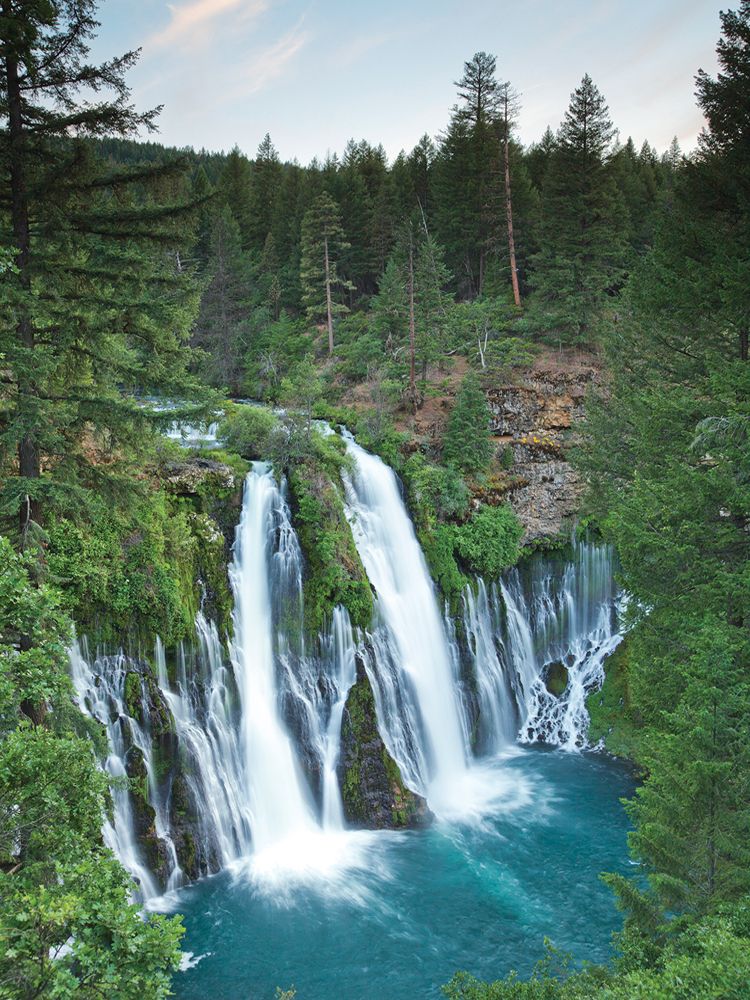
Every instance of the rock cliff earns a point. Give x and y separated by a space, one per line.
535 420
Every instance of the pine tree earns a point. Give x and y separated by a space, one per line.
582 256
469 183
98 305
225 305
323 243
235 190
265 181
467 444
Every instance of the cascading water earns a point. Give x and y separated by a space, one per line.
414 674
553 613
100 688
203 706
255 738
267 558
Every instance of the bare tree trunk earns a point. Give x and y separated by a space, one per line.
329 303
28 455
412 330
509 210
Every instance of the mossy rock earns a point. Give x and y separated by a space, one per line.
334 572
556 678
372 788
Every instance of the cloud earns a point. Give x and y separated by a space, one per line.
354 50
190 21
270 63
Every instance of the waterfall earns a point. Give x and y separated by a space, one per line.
203 706
555 614
267 558
237 752
100 688
227 720
414 675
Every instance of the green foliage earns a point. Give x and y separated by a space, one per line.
612 717
34 634
249 430
467 443
582 256
67 925
133 572
221 328
489 541
439 550
322 244
97 306
436 492
667 460
711 960
334 573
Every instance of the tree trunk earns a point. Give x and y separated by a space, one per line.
412 330
28 455
329 303
743 345
509 216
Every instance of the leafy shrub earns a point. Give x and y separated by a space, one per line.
489 542
436 493
247 430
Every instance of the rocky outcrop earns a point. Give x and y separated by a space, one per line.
534 420
372 788
213 494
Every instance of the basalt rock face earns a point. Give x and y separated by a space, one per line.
535 420
373 792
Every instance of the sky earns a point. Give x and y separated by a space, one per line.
315 73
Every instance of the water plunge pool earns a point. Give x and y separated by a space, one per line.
394 915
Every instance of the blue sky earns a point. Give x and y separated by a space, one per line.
315 73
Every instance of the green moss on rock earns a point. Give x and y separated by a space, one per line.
372 789
335 574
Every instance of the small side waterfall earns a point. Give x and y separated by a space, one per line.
100 685
203 704
415 677
554 615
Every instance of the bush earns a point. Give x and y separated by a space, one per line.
436 493
247 430
489 542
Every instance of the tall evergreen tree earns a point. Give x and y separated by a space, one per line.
98 305
582 255
469 178
265 181
668 460
235 189
323 243
225 305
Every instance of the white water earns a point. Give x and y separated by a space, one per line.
205 718
420 696
266 550
100 690
258 735
552 614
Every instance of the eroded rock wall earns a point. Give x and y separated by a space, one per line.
536 419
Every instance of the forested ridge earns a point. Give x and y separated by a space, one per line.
373 294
